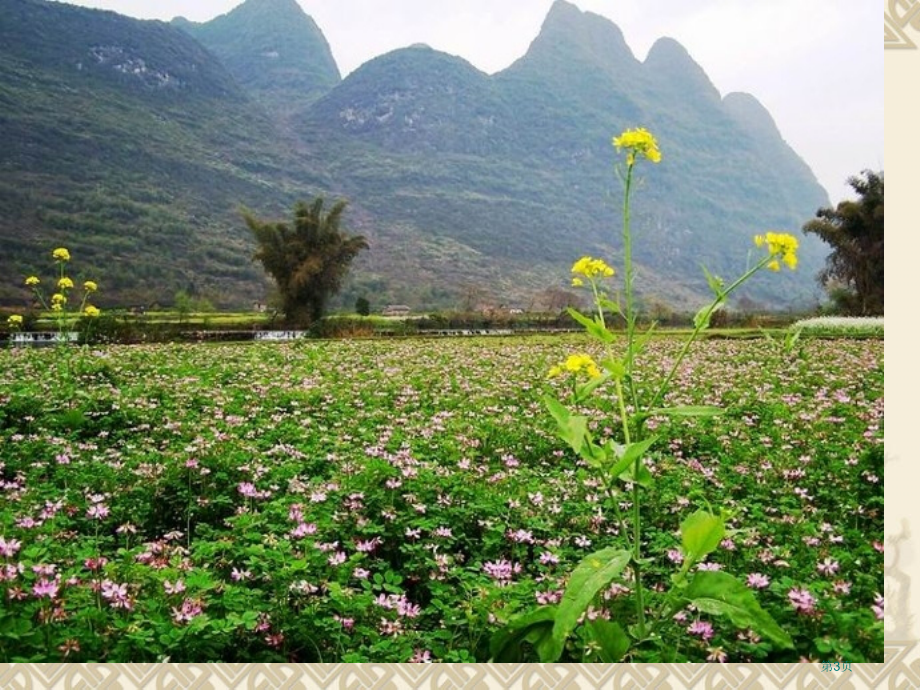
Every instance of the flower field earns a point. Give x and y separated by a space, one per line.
394 501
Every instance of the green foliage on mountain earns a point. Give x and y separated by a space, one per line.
274 51
128 141
137 144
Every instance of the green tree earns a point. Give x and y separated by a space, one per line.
362 306
308 260
855 270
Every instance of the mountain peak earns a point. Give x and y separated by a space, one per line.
582 38
746 109
290 7
669 62
273 48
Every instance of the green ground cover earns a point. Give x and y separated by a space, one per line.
403 500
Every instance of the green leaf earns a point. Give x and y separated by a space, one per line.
590 576
615 367
642 340
644 478
716 284
612 639
571 428
701 534
594 327
610 305
721 594
584 390
704 315
505 645
593 454
629 454
791 339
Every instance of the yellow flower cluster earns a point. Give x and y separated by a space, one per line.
782 246
638 142
576 364
59 298
590 268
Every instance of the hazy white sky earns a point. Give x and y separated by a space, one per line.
817 65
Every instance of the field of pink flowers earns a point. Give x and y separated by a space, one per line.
401 501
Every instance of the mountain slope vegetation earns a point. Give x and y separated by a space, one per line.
136 143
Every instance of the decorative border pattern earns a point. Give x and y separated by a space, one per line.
901 15
897 671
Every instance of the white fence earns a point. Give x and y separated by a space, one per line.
41 338
280 336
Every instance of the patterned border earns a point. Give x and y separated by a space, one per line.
897 671
899 16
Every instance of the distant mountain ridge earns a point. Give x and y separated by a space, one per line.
461 181
272 48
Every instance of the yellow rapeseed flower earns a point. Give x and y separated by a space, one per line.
65 283
58 298
14 321
90 286
590 268
576 364
61 254
638 142
91 311
32 280
782 246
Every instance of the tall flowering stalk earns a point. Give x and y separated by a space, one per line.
618 463
61 297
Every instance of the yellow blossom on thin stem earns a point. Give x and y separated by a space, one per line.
591 268
90 286
638 143
15 321
61 254
781 246
91 311
65 283
575 364
32 281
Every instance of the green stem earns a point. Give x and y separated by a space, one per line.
611 496
662 389
628 274
637 525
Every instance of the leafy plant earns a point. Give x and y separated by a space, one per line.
308 260
619 468
64 316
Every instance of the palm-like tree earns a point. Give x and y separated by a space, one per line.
855 230
308 260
